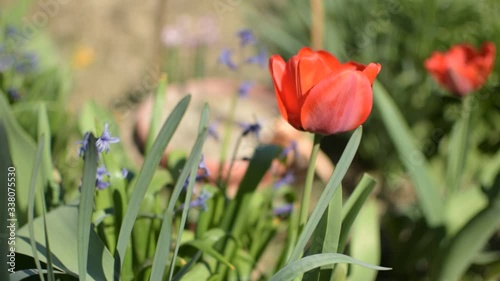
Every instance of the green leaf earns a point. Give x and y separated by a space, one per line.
86 205
5 164
326 235
327 195
365 242
163 245
413 159
466 244
64 243
353 206
157 114
193 171
23 151
298 267
148 170
458 147
31 205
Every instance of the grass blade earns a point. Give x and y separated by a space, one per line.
148 169
298 267
353 206
86 205
327 195
413 159
31 204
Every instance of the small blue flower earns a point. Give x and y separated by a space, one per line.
212 131
225 59
200 201
6 60
260 59
251 128
244 88
105 140
10 31
100 183
246 37
291 148
287 179
84 144
199 177
26 62
203 166
124 173
13 94
283 210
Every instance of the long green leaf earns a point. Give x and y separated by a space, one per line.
157 112
353 206
326 235
466 244
327 195
298 267
427 192
148 169
31 204
197 150
64 244
458 146
365 242
86 205
23 151
5 178
163 245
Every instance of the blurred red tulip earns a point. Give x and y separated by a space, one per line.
317 93
462 69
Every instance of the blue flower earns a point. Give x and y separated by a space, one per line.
251 128
260 59
105 140
6 60
199 177
291 148
283 210
13 94
288 178
99 182
225 59
199 202
124 173
212 131
26 62
244 88
246 37
84 144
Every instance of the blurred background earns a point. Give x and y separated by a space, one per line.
67 52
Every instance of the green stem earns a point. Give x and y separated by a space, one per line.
306 197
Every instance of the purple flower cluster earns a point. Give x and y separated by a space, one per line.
103 145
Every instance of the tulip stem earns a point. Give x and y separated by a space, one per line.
306 196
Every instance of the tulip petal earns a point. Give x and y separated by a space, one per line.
277 69
284 86
339 103
371 71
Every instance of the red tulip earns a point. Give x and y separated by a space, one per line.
462 69
317 93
